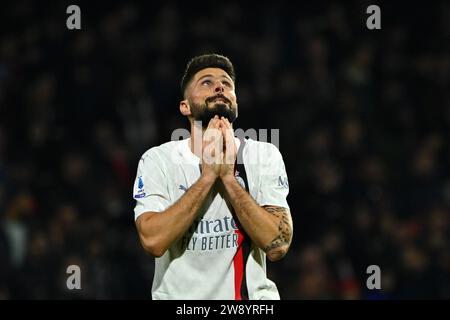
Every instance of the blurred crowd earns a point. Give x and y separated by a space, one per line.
364 119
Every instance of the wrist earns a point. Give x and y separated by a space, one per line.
208 178
228 178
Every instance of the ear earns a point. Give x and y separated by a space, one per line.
185 109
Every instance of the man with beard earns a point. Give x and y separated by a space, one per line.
212 207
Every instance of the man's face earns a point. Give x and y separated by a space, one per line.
211 92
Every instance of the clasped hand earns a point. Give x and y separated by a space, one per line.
219 149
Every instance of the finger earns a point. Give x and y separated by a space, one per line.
228 143
229 133
226 122
213 121
218 138
224 140
222 122
225 134
223 127
218 123
229 129
212 128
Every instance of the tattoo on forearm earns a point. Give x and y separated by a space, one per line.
284 228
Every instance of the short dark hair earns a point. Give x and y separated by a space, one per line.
206 61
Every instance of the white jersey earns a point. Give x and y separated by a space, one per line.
211 261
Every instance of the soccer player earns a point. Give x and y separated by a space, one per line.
212 207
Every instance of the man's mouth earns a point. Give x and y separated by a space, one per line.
219 99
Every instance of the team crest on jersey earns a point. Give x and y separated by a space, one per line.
140 191
239 179
283 182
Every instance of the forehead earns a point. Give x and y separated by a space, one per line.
215 72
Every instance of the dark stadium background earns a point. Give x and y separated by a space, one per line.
364 118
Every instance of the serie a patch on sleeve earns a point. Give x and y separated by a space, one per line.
140 191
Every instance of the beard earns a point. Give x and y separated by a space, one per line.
206 111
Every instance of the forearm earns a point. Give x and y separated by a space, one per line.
269 230
159 230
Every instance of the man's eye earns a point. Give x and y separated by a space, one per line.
226 83
206 82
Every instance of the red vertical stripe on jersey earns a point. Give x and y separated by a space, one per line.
238 262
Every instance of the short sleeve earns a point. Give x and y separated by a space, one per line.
150 187
274 185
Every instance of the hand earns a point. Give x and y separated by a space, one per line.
229 151
212 149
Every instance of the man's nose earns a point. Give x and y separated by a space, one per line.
219 87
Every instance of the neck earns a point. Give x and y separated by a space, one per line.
196 144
